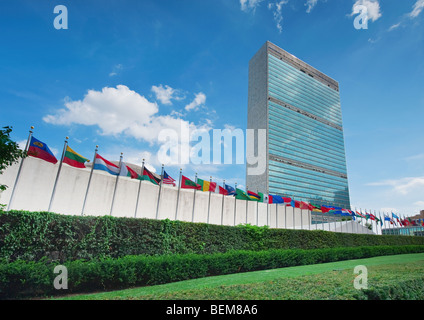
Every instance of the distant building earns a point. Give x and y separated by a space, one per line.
300 108
405 231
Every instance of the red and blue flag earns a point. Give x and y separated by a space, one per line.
40 150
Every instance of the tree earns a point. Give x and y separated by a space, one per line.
9 152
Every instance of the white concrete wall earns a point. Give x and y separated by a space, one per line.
35 186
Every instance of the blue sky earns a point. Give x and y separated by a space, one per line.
124 70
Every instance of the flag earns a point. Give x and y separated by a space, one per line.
360 214
206 185
265 198
74 159
286 200
126 171
186 183
253 196
346 212
396 217
148 176
336 210
40 150
316 208
326 209
294 203
241 195
305 206
223 191
167 179
277 199
101 163
230 190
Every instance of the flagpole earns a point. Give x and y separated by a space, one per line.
385 226
257 210
20 169
139 188
235 204
376 223
116 184
365 223
178 194
267 209
222 204
58 173
89 180
310 217
328 218
381 224
209 200
160 191
301 218
194 198
285 214
354 216
247 202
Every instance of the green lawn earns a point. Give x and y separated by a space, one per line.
312 282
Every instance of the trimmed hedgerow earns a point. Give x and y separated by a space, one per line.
403 290
36 235
21 279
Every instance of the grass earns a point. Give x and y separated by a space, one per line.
332 281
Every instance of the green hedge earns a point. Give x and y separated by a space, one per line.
32 236
28 278
403 290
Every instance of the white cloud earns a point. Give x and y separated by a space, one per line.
415 157
199 100
403 195
373 6
22 144
115 70
247 5
278 13
166 94
418 7
310 4
404 186
420 204
118 111
395 26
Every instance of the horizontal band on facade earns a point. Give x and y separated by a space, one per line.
306 166
302 66
305 113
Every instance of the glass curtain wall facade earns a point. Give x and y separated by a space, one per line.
300 108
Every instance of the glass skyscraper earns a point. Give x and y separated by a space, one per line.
300 108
